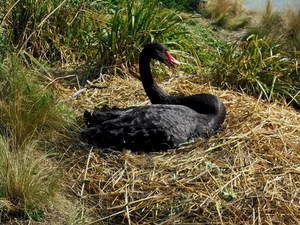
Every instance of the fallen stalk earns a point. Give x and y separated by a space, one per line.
88 86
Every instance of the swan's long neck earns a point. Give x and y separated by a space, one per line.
202 103
153 91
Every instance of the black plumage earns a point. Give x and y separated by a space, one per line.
168 123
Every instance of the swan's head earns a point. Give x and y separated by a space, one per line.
159 52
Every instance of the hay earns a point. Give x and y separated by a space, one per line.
248 173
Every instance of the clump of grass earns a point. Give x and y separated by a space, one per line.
106 34
30 117
55 31
226 13
259 66
133 24
269 22
282 25
292 22
27 106
28 181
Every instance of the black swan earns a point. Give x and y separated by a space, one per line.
170 122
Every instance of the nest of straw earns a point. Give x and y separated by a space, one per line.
247 173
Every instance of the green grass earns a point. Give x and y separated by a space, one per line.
107 35
27 106
181 5
260 66
132 25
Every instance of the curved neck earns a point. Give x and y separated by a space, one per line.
202 103
153 91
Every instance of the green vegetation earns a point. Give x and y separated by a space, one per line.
131 26
107 37
105 34
30 116
28 108
260 66
266 61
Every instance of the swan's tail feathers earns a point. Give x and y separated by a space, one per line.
88 134
87 117
100 115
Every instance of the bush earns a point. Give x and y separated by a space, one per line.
260 66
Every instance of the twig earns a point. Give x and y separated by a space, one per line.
127 207
84 178
2 22
85 172
89 86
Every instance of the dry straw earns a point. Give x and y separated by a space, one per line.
248 173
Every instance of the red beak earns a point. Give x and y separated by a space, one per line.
171 59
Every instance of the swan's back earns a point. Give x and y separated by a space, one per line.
154 127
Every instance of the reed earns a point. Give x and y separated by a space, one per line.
260 66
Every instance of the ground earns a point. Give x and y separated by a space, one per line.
248 172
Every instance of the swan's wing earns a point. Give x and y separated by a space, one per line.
100 115
148 127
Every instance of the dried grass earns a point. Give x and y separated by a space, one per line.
248 173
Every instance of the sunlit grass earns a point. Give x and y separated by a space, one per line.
31 118
259 66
